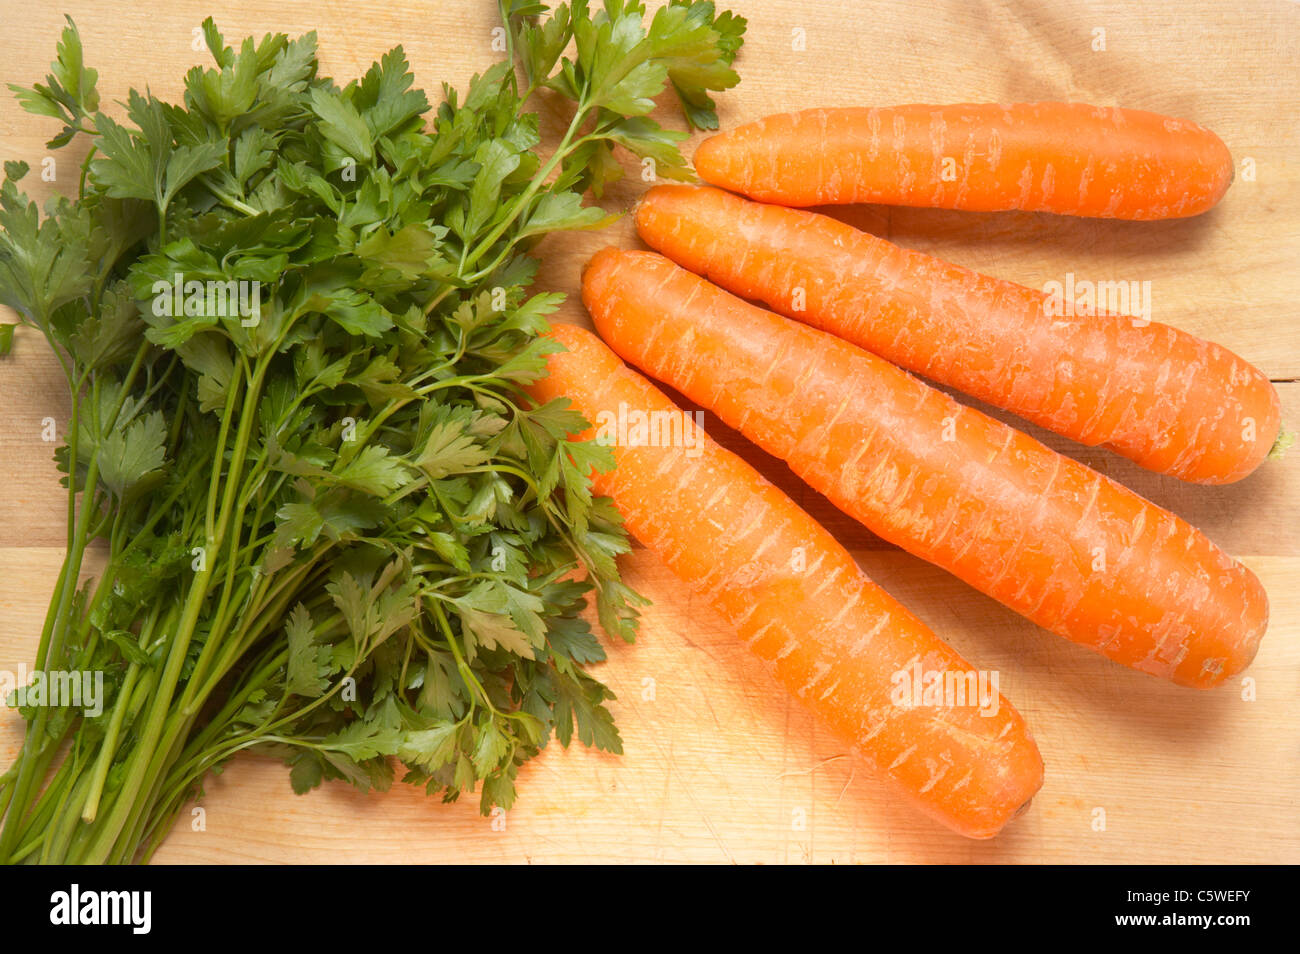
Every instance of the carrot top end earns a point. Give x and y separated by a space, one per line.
1284 440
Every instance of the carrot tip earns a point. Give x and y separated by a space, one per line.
595 260
636 206
987 835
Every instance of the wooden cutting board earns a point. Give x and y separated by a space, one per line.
720 765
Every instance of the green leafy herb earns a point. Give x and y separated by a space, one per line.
296 323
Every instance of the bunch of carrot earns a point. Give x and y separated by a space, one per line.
829 392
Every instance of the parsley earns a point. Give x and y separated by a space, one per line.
296 322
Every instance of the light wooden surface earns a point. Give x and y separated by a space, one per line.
720 766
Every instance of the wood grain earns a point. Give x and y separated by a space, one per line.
720 766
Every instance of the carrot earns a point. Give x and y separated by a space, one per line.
1172 402
1046 536
833 638
1067 158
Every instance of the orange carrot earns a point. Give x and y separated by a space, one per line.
1068 158
1169 401
833 638
1046 536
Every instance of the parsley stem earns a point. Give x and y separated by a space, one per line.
520 203
11 788
226 198
142 765
54 649
436 300
38 818
60 834
466 672
108 747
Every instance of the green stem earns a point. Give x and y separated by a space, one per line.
59 836
108 748
522 200
465 671
38 818
148 753
54 646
